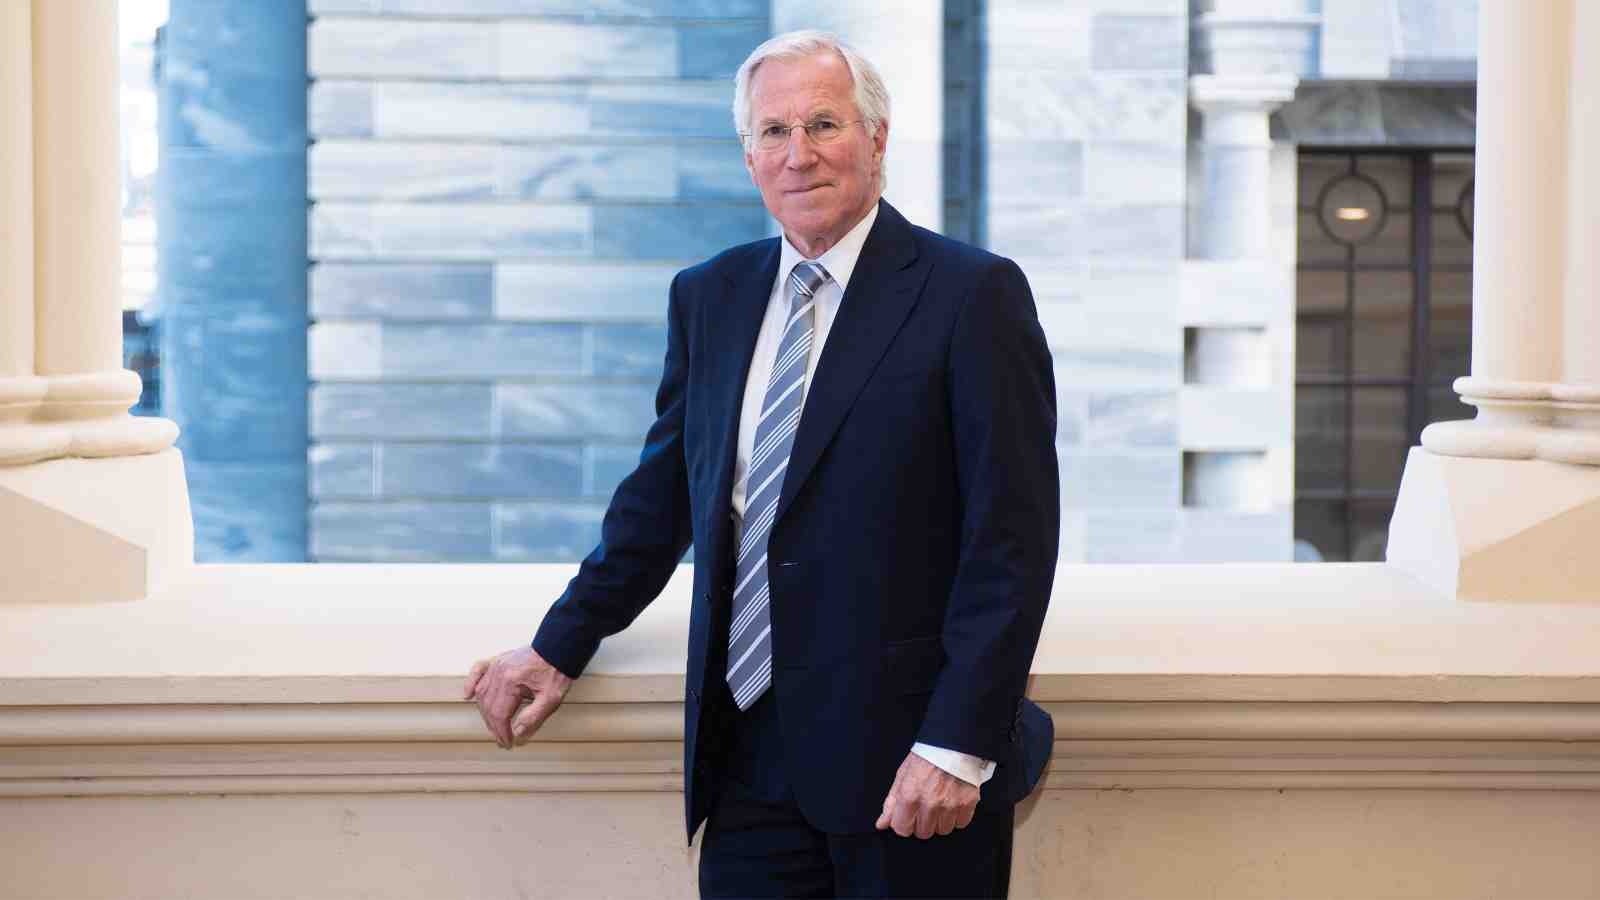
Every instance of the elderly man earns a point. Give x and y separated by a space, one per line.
855 429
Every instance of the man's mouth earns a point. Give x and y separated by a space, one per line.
807 189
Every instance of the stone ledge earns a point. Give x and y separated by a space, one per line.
356 748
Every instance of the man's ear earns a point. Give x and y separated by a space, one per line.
880 141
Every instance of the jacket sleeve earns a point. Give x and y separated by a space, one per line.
646 529
1003 409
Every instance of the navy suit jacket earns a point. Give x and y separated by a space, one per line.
916 535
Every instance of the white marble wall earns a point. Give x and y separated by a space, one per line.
1086 116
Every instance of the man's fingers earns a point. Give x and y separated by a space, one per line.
905 817
887 815
927 824
478 668
532 717
964 817
500 703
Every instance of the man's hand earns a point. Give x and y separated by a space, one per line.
503 684
925 800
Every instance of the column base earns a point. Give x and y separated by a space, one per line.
94 530
48 417
1498 530
1522 420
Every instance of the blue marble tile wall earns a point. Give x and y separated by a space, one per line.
232 270
1086 111
501 191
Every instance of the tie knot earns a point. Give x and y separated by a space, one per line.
807 277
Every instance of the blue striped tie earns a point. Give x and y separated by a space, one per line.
750 637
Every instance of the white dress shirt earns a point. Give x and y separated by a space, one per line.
840 263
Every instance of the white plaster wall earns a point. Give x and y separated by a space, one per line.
1148 844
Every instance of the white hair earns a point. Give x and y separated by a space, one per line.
871 95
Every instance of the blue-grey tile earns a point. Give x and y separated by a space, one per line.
1035 105
402 290
688 9
340 109
1055 232
1034 173
674 232
434 231
483 350
1037 35
575 411
681 109
1119 419
1140 232
344 349
400 48
606 465
1072 416
589 49
1117 347
1437 29
714 170
369 170
1108 479
1141 42
342 230
595 291
547 532
400 532
716 51
480 109
334 7
575 171
1133 536
1136 172
400 411
248 512
636 350
341 470
239 394
474 471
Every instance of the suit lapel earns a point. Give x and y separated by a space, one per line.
882 291
732 331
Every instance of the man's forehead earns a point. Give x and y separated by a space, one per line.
819 83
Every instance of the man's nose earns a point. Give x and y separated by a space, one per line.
800 153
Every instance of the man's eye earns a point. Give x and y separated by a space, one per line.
824 126
773 131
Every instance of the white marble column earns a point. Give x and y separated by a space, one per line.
1236 143
61 329
1534 328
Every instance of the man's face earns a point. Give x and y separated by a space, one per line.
816 191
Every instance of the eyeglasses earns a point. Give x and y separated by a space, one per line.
773 136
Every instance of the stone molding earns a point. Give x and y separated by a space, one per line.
430 747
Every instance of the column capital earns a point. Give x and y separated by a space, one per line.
1257 39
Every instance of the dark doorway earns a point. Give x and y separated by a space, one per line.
1383 326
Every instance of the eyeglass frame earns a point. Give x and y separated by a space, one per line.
753 138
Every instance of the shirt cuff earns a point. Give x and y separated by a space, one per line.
965 766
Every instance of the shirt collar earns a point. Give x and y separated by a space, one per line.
840 260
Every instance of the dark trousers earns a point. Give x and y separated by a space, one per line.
758 844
